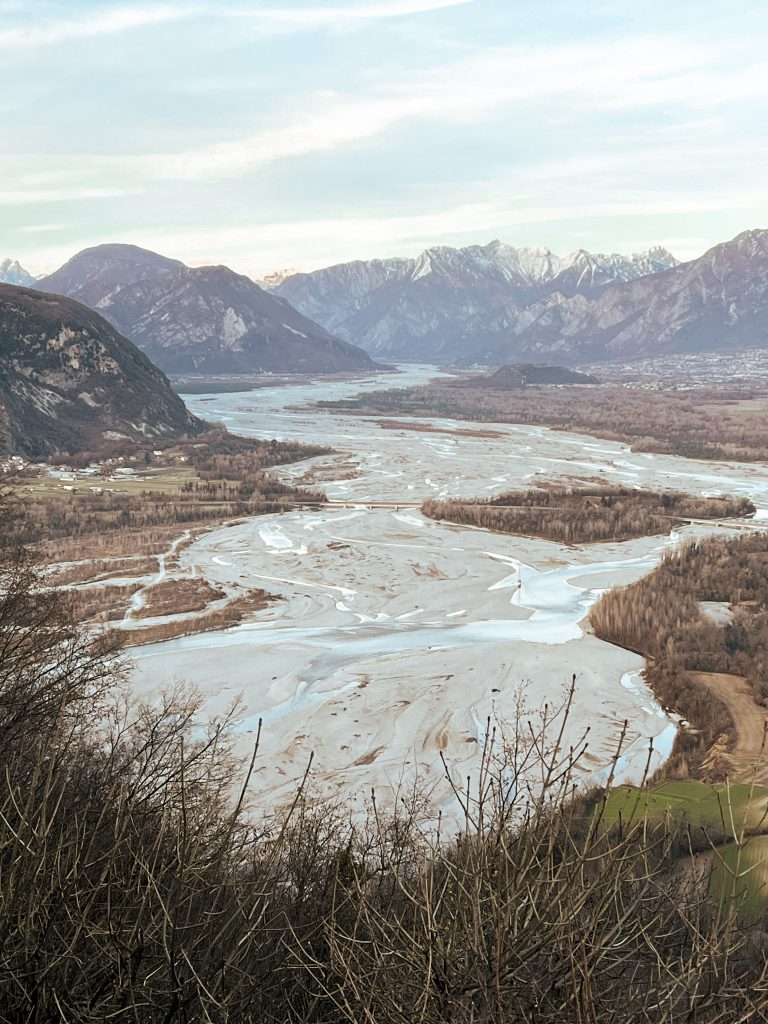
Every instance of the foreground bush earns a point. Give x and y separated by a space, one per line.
137 885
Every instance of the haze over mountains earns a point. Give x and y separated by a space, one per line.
206 319
494 304
69 381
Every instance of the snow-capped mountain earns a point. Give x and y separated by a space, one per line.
206 319
585 273
12 272
276 279
715 302
443 303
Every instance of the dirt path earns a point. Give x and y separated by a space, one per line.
749 718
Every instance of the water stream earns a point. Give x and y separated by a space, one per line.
396 637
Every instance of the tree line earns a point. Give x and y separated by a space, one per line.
585 515
708 423
232 480
661 618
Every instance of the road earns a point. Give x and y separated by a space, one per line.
750 720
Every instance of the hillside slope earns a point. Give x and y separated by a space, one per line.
69 381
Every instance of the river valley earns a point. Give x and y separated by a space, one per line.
396 638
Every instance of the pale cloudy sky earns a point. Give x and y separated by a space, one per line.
288 133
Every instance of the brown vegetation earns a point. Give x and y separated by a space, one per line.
711 423
428 428
151 517
177 596
230 481
585 515
660 618
100 604
188 596
750 722
92 570
205 451
231 614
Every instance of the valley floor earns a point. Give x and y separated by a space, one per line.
396 637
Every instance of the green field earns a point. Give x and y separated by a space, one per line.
718 807
741 875
734 857
161 480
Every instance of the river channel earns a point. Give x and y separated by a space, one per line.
395 638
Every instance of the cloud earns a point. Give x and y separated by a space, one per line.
43 229
526 89
108 22
31 197
266 20
291 19
258 248
563 83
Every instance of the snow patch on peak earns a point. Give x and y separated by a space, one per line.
275 279
12 272
423 265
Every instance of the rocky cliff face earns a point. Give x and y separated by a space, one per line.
453 303
69 381
207 319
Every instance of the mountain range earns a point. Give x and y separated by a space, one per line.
204 319
495 304
483 304
443 304
69 381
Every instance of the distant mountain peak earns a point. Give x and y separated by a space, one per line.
277 278
94 275
754 240
12 272
658 252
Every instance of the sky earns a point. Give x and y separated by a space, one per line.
302 133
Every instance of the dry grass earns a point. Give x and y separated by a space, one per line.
708 423
101 604
233 613
428 428
93 570
111 546
176 596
